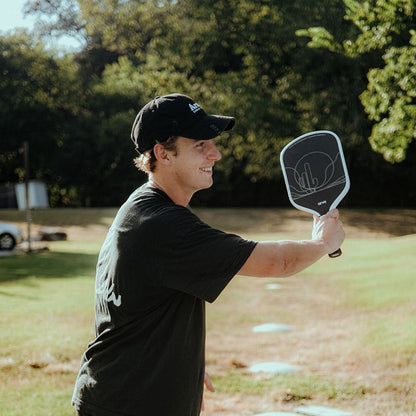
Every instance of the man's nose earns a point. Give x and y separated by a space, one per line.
213 152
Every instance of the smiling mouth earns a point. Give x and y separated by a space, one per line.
206 170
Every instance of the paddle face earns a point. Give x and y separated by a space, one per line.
315 172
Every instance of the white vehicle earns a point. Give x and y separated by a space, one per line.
10 235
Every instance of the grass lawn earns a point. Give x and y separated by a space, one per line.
46 318
353 319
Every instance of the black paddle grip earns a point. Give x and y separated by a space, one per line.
336 253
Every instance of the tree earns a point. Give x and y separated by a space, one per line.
236 57
390 100
57 18
385 31
39 96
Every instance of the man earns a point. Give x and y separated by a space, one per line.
159 265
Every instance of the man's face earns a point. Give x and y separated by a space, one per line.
193 163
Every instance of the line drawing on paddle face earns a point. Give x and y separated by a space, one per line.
315 172
308 180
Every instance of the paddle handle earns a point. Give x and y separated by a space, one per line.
336 253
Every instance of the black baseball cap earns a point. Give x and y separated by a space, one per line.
175 115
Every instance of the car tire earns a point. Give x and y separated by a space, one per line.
7 242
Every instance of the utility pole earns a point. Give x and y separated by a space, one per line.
28 217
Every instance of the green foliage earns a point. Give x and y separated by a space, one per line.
39 98
390 101
381 22
241 57
320 38
390 95
125 27
56 17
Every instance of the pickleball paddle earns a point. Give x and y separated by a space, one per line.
315 173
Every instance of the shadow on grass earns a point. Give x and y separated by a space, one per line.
62 217
47 265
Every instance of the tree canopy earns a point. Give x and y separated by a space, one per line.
386 30
281 68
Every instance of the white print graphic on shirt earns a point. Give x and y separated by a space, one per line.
112 297
109 294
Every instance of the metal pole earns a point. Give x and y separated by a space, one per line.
28 217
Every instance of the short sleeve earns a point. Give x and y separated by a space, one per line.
195 258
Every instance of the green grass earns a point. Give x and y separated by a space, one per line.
39 398
375 274
290 387
46 318
44 323
48 264
39 315
376 282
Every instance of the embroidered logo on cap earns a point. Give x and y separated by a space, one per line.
194 107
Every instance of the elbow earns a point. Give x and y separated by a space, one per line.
272 259
287 268
282 267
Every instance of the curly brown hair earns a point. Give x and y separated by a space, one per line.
146 162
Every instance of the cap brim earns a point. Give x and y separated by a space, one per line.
209 127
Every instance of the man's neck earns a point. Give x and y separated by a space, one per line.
176 195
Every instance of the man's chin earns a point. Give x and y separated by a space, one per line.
206 186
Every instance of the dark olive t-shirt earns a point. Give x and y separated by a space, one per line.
157 267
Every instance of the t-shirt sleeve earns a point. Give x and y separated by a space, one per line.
195 258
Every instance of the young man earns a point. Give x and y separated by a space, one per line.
159 265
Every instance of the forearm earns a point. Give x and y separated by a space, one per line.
283 258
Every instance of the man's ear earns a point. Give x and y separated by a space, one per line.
161 154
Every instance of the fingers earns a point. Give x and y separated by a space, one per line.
209 386
334 213
208 383
328 228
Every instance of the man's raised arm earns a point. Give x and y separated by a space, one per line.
286 258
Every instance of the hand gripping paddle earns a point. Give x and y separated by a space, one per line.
315 173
